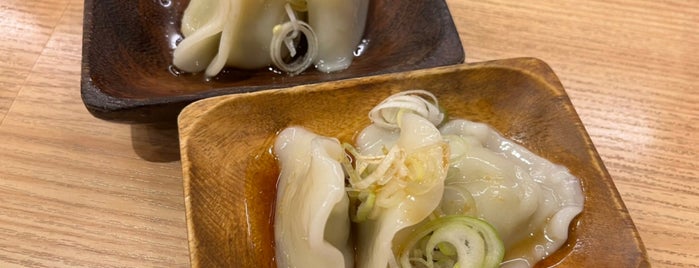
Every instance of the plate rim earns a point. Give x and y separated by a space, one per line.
530 66
163 108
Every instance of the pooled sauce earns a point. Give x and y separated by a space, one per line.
260 195
174 37
518 253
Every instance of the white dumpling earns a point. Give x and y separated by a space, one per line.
339 27
424 154
251 33
202 24
236 33
529 200
311 223
247 34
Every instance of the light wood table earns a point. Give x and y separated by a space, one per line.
77 191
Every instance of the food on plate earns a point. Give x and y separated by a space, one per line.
291 35
529 200
312 224
450 241
423 191
399 165
339 26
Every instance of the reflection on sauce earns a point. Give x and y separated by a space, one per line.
260 194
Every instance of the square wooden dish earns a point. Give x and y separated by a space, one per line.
230 174
128 46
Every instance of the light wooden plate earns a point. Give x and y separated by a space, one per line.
230 174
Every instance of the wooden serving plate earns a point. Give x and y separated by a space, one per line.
230 174
128 45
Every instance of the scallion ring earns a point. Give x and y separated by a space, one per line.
287 35
453 241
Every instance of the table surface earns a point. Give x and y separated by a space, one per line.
81 192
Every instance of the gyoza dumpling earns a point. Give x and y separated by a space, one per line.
202 24
418 185
250 34
339 27
529 200
311 222
236 33
400 165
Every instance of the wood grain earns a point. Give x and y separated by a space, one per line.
73 190
76 191
128 75
227 168
26 27
630 68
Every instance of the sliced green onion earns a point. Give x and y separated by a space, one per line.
287 35
456 241
366 206
387 113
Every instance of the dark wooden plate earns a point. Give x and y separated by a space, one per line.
127 53
230 176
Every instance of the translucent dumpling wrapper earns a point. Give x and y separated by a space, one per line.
235 33
529 200
412 164
250 34
311 223
421 194
339 26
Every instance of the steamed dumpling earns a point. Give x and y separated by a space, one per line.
418 184
241 34
311 222
202 24
529 200
234 33
339 26
412 186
